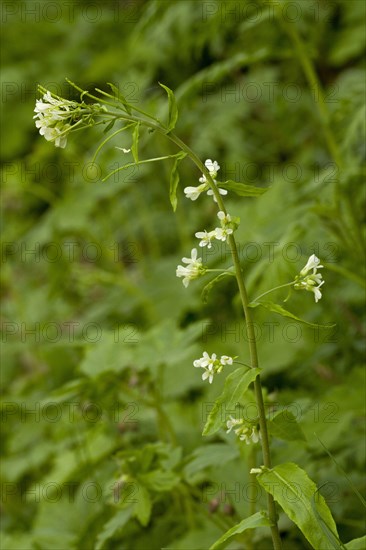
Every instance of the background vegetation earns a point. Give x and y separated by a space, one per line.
102 409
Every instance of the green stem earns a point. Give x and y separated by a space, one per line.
257 389
220 271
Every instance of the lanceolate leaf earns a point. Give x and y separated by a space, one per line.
120 97
236 384
174 180
259 519
242 189
292 488
173 109
275 308
135 142
143 506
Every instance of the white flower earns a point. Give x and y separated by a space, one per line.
311 282
233 422
53 118
212 365
222 233
213 167
205 361
245 432
221 191
58 133
208 374
193 270
194 192
225 219
250 435
206 238
312 263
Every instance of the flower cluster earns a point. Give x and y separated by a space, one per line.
194 192
56 117
192 270
245 431
53 118
220 233
212 365
306 281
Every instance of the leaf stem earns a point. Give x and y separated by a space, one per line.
272 290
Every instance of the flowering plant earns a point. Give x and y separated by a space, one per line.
56 119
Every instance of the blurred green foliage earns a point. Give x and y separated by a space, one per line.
103 411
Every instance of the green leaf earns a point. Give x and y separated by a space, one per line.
356 544
135 142
160 480
284 426
236 384
113 526
333 539
259 519
242 189
109 126
120 97
275 308
292 488
173 109
142 508
174 180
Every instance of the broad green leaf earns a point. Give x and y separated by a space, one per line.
173 109
356 544
284 426
120 97
113 527
275 308
215 454
142 508
174 180
260 519
242 189
236 384
135 142
292 488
